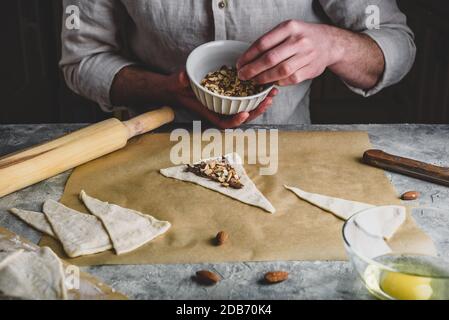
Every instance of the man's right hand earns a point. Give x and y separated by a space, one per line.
133 85
182 96
179 89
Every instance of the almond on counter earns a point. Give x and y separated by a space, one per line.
207 278
275 277
410 195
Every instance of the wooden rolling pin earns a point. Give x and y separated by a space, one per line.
410 167
24 168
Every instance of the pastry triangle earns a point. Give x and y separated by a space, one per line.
383 225
79 233
128 229
35 219
343 209
249 194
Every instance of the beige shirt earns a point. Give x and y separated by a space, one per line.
160 34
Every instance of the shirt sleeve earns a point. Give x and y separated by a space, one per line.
393 36
91 53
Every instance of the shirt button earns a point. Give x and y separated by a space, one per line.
222 4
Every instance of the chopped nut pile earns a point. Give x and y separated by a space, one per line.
226 82
217 170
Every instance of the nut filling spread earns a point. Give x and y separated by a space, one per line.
227 83
217 170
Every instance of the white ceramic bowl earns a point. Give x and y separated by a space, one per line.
210 57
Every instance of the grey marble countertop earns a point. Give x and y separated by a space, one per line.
308 280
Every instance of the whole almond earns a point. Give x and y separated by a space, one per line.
276 276
207 278
221 238
410 195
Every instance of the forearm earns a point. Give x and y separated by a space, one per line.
359 61
296 51
137 86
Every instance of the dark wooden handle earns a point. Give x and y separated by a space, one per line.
410 167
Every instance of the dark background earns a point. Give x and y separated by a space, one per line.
33 90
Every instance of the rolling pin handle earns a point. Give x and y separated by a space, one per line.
149 121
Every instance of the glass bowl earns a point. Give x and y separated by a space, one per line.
389 275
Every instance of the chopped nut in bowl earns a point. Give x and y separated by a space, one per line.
226 82
214 79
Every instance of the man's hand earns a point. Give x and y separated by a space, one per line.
182 96
136 86
296 51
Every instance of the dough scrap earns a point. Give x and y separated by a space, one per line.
6 256
365 244
35 219
128 229
32 275
249 194
80 233
343 209
383 224
368 233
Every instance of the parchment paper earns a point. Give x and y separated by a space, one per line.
320 162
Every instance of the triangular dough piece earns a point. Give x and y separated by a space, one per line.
35 219
33 275
80 233
128 229
343 209
249 194
382 225
382 221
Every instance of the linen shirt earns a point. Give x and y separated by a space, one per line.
160 34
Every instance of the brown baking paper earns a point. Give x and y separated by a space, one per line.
320 162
